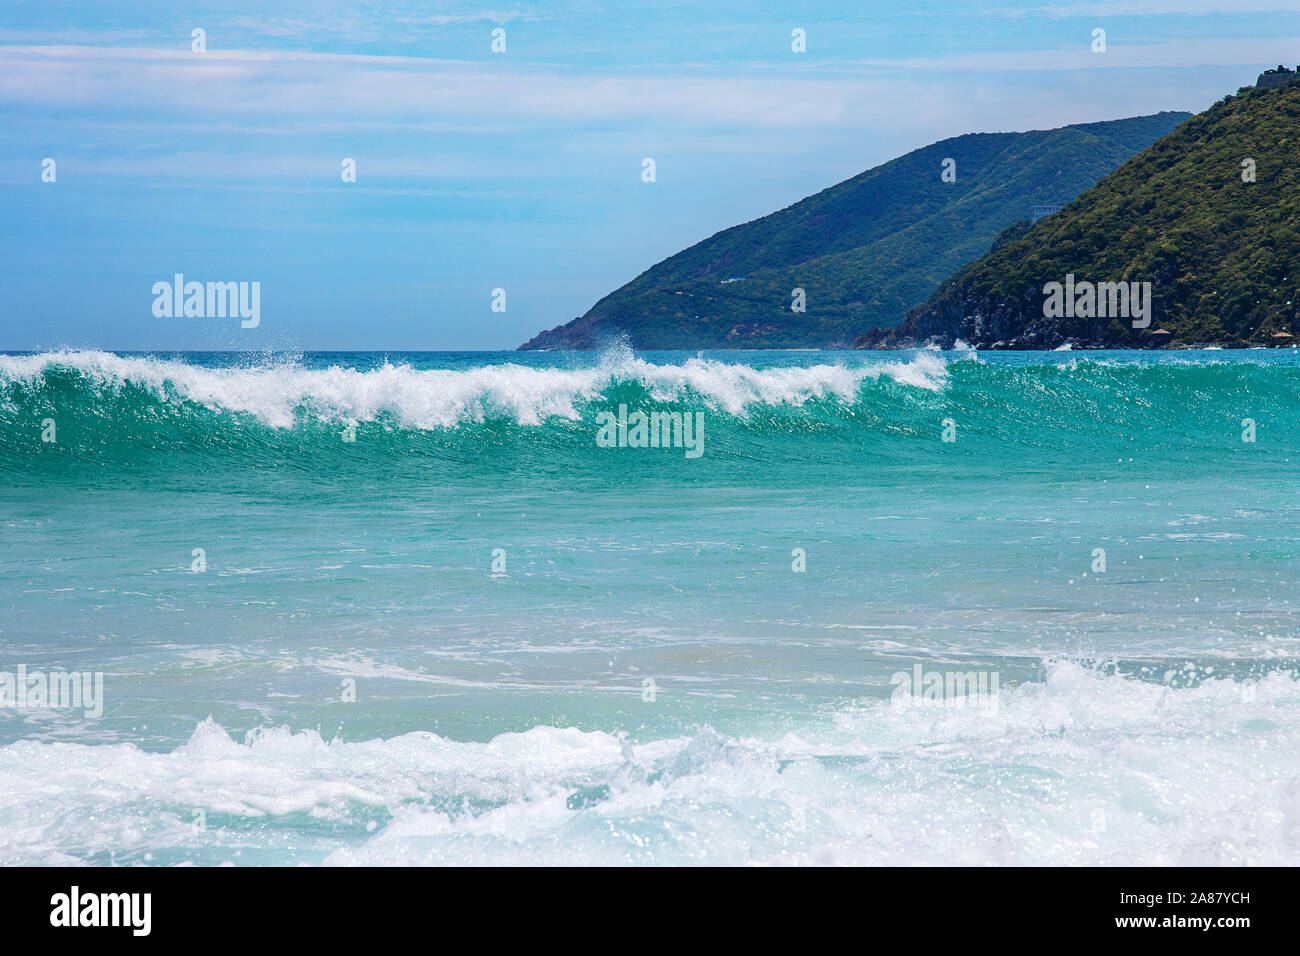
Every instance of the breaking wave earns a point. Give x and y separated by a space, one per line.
1081 768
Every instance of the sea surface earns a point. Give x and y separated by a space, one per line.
404 608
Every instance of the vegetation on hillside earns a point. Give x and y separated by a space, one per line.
1222 254
864 251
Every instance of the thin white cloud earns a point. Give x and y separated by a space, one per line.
287 84
480 16
266 86
1151 8
276 116
1120 54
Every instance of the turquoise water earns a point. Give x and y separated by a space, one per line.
498 592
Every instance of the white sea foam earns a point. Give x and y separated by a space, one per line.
1083 768
439 398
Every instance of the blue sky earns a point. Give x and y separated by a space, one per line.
518 170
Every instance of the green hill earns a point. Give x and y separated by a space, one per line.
865 251
1222 255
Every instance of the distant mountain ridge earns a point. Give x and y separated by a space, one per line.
1209 216
864 251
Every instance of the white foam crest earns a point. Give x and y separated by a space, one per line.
439 398
1082 768
734 388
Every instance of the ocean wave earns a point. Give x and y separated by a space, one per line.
1084 767
134 413
280 394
